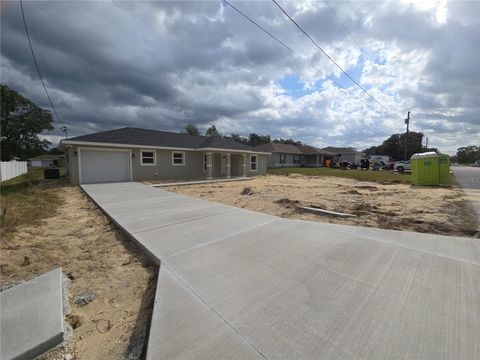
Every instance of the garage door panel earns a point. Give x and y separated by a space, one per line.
104 166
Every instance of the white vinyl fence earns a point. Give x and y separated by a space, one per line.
11 169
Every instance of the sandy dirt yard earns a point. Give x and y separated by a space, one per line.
390 206
98 259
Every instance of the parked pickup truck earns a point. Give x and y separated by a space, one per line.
402 166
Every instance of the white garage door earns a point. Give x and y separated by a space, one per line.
98 166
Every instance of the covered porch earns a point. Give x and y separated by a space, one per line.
225 165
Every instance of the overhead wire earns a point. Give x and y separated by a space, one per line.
38 69
298 56
333 61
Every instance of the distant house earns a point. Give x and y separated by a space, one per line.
345 154
46 160
133 154
283 155
314 157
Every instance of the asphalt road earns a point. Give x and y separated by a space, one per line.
467 177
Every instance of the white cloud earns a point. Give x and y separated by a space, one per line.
165 64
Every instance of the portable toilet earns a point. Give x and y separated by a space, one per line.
444 169
425 169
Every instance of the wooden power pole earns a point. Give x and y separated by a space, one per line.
407 121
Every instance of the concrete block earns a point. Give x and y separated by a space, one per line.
32 319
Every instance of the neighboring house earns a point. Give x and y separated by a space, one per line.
132 154
283 155
315 157
46 160
345 154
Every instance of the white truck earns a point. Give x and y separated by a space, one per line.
378 159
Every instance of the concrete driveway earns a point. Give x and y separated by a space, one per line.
236 284
468 178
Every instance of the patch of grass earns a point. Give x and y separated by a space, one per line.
383 176
27 200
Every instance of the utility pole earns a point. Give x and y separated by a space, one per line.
426 143
407 121
65 130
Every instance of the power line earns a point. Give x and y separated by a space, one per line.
38 69
296 55
343 24
333 61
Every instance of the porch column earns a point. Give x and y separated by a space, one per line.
317 156
229 158
244 165
209 166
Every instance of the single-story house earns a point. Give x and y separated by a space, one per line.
46 160
315 157
132 154
283 155
345 154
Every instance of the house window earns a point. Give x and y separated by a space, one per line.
296 159
178 158
253 163
148 157
283 158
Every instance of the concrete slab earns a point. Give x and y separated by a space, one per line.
293 289
32 317
185 327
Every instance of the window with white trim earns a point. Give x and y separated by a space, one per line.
148 157
178 158
296 159
283 158
253 163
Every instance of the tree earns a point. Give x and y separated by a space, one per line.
191 130
212 132
288 142
21 122
394 146
237 138
468 154
255 140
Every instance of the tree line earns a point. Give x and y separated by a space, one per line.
22 121
251 140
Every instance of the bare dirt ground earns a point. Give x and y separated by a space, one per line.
435 210
97 258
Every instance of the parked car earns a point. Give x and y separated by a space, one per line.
476 163
402 166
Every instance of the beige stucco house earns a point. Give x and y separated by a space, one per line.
132 154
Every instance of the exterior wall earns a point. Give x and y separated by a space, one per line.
274 160
46 163
164 170
313 160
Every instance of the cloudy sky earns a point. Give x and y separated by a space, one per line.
162 65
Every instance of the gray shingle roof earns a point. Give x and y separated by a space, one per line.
311 150
145 137
278 148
